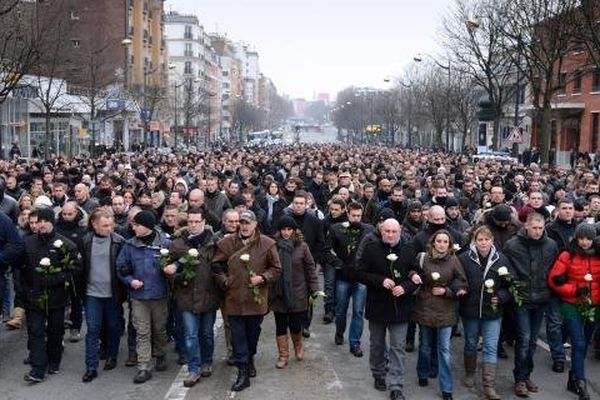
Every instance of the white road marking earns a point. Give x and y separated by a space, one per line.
177 391
545 346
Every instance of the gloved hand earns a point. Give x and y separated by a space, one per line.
582 291
559 280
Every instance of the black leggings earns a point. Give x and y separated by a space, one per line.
293 321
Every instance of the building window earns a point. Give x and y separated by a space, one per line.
187 68
577 81
188 50
562 83
76 43
596 80
595 133
188 32
225 73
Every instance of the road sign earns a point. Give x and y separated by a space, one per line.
515 135
115 104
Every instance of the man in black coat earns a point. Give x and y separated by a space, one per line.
71 224
46 293
437 221
532 254
345 238
384 267
314 236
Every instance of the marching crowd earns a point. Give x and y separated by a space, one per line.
415 242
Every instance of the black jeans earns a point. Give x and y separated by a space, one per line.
245 331
45 339
76 314
291 321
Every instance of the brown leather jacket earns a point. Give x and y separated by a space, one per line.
233 275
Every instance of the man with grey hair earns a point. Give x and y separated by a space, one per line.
384 266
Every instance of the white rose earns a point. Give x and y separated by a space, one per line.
45 262
245 257
346 224
489 283
193 252
58 243
588 277
488 205
435 276
392 257
456 247
502 271
164 252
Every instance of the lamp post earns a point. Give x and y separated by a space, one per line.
418 59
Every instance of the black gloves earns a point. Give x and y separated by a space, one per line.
559 280
582 291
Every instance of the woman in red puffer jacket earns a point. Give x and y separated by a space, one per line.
575 277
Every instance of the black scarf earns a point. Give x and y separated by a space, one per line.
283 286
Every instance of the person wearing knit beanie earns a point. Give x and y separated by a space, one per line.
145 218
287 222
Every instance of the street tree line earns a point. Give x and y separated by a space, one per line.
499 49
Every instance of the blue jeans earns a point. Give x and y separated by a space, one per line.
580 333
428 367
554 329
329 288
97 311
358 292
199 339
528 322
490 332
443 352
175 327
245 332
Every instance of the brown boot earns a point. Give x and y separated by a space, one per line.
298 346
17 320
284 354
470 360
489 381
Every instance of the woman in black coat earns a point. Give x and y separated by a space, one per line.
273 203
289 295
487 274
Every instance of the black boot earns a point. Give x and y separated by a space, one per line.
582 392
251 368
571 383
243 380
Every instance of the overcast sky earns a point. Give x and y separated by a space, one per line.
315 46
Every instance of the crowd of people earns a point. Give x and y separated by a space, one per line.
155 245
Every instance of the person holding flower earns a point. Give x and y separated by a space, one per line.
244 265
52 262
531 253
196 293
290 293
575 278
383 264
444 281
481 308
141 268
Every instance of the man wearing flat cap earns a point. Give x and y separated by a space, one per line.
244 265
139 268
45 278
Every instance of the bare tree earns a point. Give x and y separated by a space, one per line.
22 41
540 35
589 35
465 98
473 31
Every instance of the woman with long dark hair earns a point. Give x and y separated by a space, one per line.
435 308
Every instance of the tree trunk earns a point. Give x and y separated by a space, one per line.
496 131
47 137
545 131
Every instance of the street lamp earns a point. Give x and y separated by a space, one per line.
418 58
126 43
